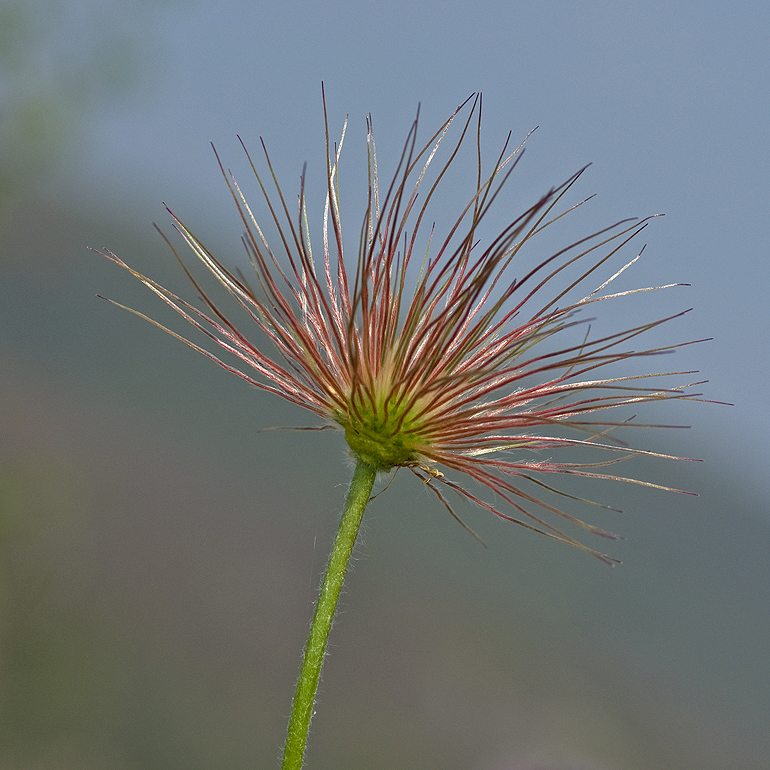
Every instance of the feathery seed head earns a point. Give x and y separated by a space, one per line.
459 368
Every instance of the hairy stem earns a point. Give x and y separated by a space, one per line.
315 649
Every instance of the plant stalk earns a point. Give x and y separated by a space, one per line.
315 649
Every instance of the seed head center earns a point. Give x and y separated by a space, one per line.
384 432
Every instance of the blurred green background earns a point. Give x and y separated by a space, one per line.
159 556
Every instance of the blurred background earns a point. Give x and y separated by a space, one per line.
159 556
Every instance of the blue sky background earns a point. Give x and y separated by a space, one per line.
667 101
108 111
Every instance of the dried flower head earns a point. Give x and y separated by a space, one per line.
454 368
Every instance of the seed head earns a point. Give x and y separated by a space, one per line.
464 366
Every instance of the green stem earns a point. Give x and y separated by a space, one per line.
315 649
